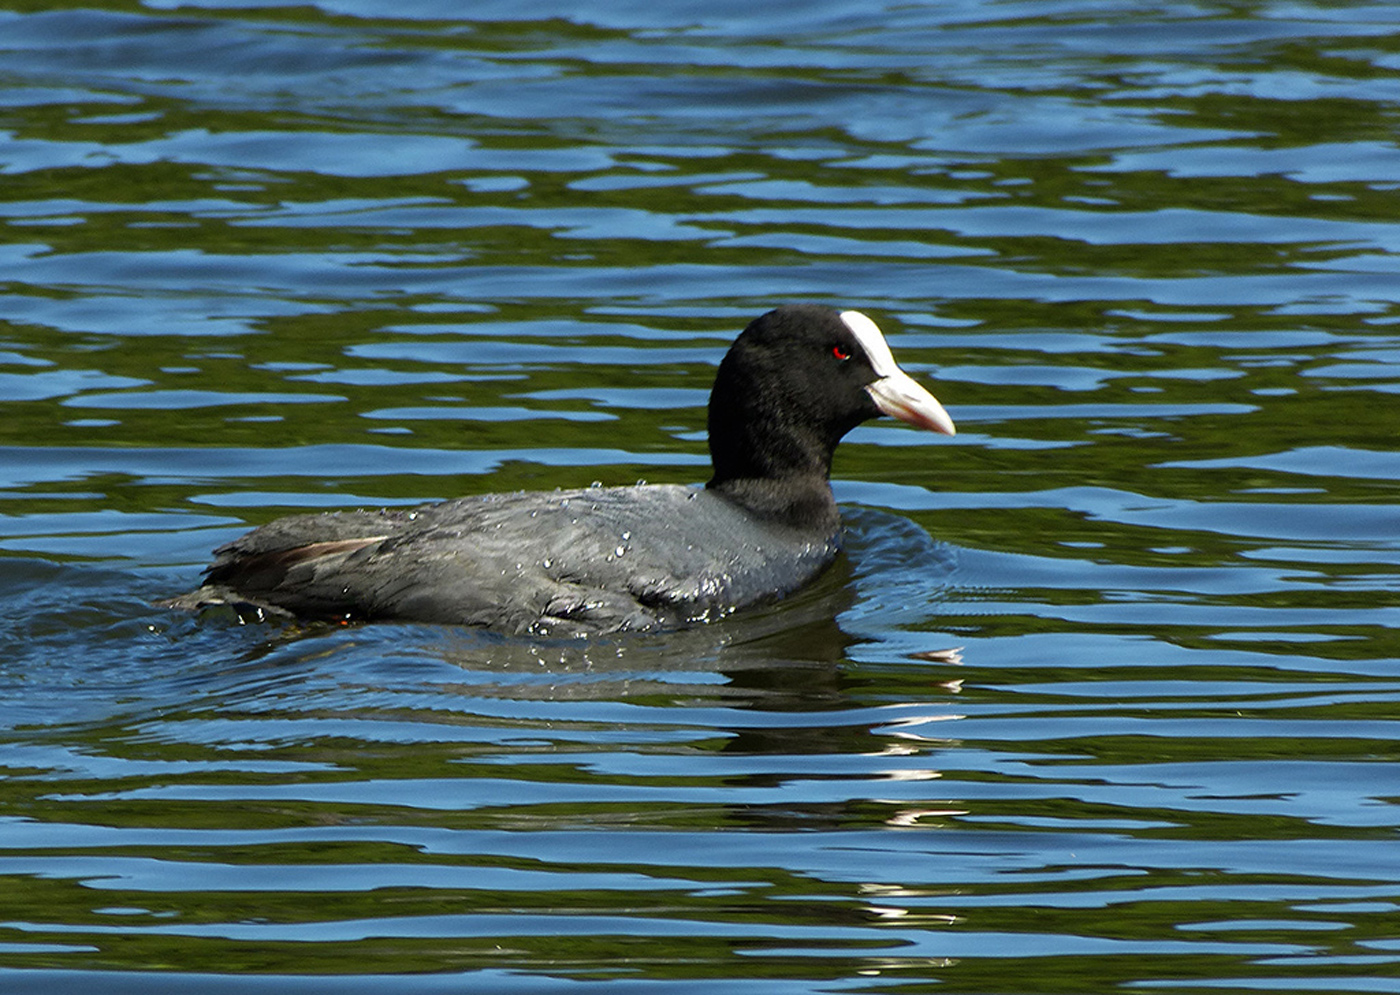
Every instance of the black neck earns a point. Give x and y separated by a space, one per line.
804 503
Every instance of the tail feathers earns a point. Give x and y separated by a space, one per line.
216 596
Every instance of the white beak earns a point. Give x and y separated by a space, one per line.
896 393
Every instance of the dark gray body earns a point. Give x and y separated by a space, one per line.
561 563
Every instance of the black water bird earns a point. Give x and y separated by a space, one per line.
605 559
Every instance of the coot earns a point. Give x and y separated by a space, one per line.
605 559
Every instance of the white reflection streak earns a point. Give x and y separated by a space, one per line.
905 742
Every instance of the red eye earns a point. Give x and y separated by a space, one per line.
841 352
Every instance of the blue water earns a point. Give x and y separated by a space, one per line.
1102 694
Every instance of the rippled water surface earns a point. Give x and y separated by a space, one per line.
1103 693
